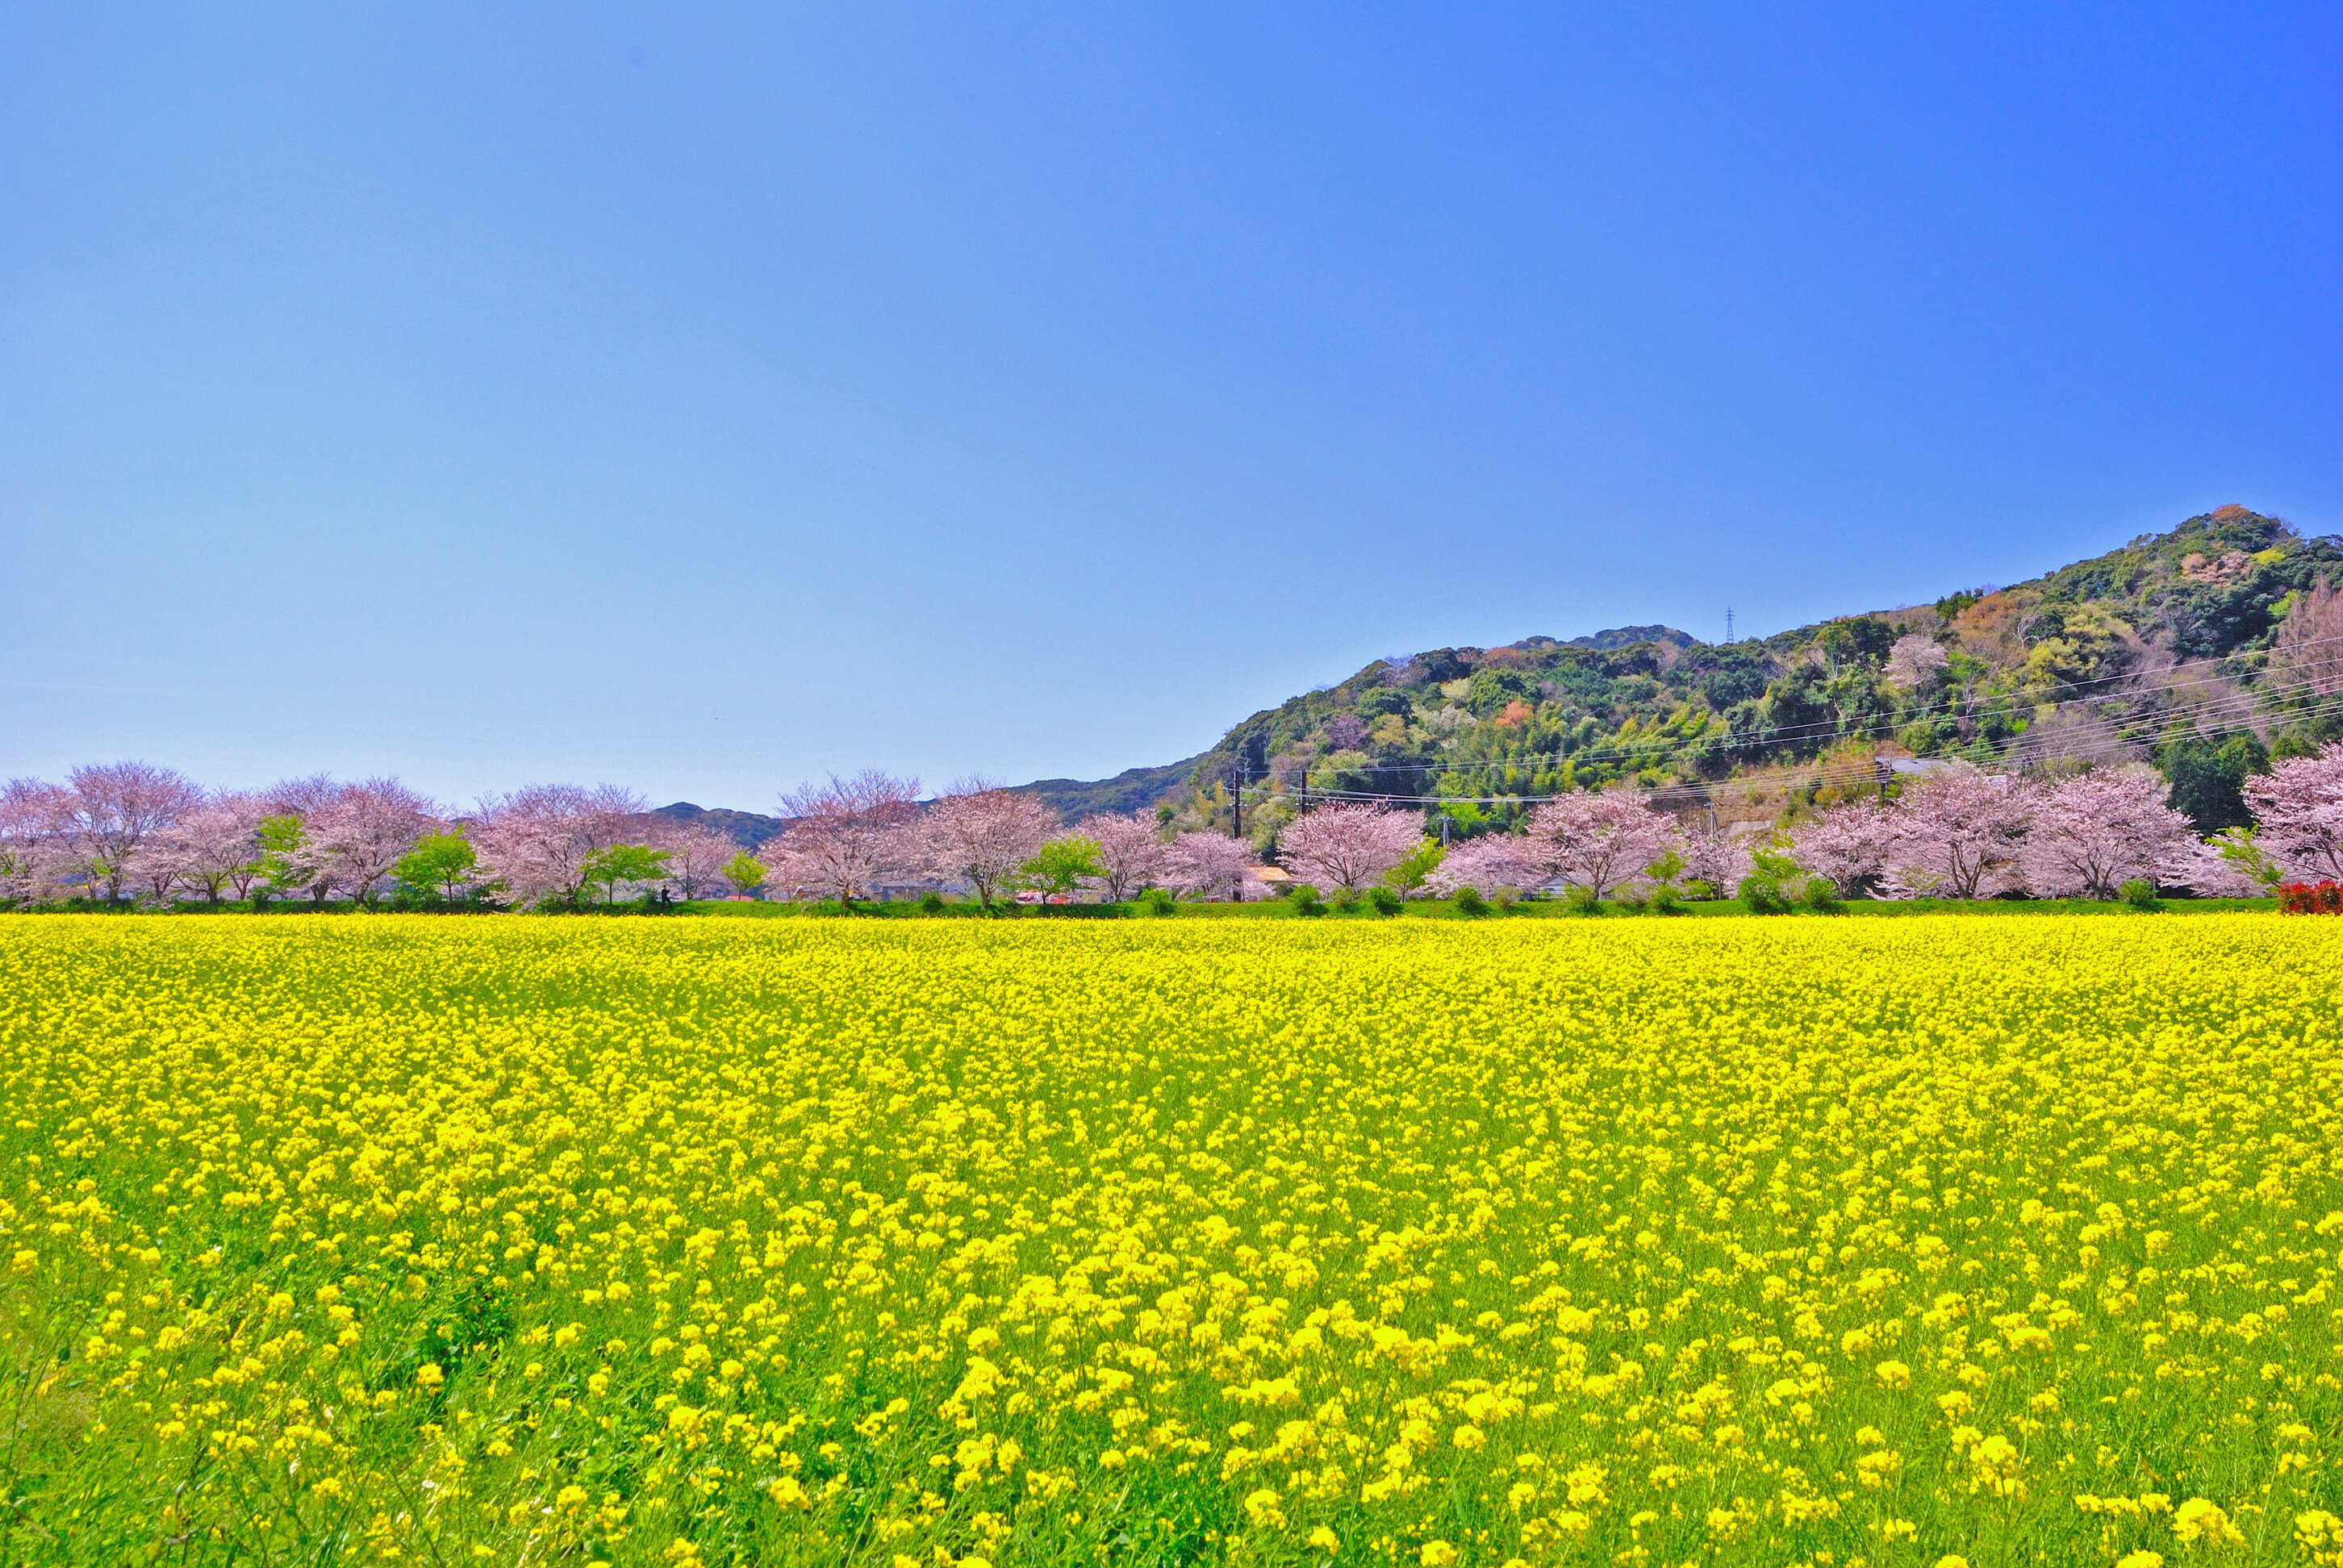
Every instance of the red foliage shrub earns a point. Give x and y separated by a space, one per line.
2311 898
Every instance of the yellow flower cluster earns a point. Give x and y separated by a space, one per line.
546 1240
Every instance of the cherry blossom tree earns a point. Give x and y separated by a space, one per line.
1486 864
112 811
35 860
1131 853
363 829
1847 845
1348 847
537 841
980 834
845 835
696 856
1714 856
233 840
2092 833
1599 842
1959 836
155 874
1211 866
1914 662
2298 807
213 848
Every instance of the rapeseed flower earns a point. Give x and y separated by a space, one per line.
544 1239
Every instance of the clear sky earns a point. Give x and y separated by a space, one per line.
703 399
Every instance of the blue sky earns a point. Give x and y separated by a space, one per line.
703 399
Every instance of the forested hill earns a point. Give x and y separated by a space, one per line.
2205 650
2161 650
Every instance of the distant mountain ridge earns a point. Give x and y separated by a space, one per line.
747 829
1132 790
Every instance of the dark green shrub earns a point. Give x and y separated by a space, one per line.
1156 902
1666 900
1469 901
931 902
1762 896
1386 900
1582 901
2140 894
1346 901
1820 897
1305 900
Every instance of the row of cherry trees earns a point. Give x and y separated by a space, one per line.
1961 834
851 837
129 830
1970 835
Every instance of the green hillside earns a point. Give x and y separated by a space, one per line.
2159 650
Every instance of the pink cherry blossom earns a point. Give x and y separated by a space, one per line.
696 856
2299 805
1486 864
1959 836
110 813
844 836
1600 842
2094 832
359 833
1348 845
980 834
1913 663
1211 866
1131 851
1712 855
1846 845
213 848
35 863
536 841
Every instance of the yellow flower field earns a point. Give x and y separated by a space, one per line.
541 1241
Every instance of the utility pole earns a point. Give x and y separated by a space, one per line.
1729 623
1236 769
